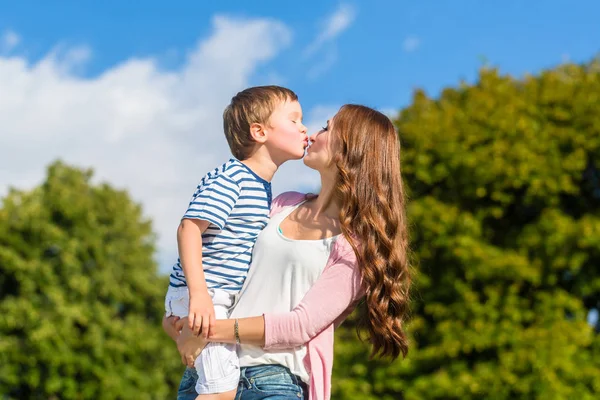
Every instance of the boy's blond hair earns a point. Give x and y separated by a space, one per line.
252 105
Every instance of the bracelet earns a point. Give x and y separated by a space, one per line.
236 332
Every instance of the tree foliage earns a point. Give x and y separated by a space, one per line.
80 297
504 184
504 181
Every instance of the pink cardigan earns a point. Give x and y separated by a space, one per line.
323 308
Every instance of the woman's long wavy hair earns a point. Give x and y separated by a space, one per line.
369 189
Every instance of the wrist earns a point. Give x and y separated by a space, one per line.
236 332
198 291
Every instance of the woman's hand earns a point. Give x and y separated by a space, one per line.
168 324
189 345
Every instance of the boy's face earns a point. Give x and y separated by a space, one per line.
286 135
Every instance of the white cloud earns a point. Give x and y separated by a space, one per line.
323 65
390 112
150 131
334 25
9 41
78 55
411 43
318 116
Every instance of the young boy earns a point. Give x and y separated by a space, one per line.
263 127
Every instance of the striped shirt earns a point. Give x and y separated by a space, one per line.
236 202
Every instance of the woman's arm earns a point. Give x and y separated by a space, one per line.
328 301
251 330
336 290
169 326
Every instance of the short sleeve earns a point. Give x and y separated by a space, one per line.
286 199
214 199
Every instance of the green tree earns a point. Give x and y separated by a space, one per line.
504 179
80 297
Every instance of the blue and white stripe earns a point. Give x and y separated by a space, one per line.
236 202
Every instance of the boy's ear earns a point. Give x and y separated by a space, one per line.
258 133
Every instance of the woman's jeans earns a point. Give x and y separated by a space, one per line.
273 382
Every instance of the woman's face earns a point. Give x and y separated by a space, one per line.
319 155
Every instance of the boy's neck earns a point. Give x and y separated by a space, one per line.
262 165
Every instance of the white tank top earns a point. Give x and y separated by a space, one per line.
281 272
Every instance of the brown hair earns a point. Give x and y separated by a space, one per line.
252 105
372 216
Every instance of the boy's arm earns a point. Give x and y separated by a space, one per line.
212 202
189 242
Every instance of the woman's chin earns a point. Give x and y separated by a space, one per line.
309 164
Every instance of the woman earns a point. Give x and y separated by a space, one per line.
317 257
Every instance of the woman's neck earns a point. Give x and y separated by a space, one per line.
327 204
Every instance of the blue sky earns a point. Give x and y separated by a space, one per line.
388 48
137 92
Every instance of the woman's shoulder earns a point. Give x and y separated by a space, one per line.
286 199
343 250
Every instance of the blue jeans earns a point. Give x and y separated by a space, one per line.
273 382
187 386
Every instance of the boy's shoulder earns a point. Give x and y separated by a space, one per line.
217 171
236 175
233 167
230 170
241 174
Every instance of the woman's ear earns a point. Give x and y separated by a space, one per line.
258 133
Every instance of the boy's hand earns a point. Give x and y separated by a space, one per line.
202 313
190 346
